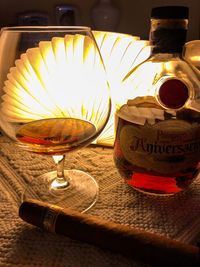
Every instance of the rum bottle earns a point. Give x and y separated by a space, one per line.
157 121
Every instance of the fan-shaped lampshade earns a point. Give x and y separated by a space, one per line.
120 53
60 78
70 64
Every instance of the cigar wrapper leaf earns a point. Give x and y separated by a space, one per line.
130 242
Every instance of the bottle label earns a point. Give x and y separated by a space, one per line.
166 147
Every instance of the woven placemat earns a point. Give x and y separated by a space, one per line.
21 244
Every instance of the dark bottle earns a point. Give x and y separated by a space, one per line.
157 145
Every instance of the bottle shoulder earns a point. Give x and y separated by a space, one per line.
164 65
147 79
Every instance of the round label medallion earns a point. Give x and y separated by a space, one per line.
173 93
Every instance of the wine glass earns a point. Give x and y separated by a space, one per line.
54 99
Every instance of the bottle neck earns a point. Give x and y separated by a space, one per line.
168 35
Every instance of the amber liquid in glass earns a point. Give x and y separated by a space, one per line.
55 136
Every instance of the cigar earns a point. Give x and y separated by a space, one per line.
139 245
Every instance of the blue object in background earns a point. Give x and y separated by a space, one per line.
67 15
33 19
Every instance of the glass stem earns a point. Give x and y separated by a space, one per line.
61 181
60 167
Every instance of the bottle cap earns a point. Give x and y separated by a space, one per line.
167 35
170 12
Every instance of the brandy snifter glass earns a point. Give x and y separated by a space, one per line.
55 99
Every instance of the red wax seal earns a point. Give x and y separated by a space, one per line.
173 93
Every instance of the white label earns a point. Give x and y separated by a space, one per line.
166 147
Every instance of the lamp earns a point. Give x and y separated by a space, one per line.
30 86
120 53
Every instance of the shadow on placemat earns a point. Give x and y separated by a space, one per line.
35 247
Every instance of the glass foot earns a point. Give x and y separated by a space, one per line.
80 191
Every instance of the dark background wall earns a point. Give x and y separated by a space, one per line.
134 13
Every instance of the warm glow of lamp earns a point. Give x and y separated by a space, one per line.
60 63
120 53
44 68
